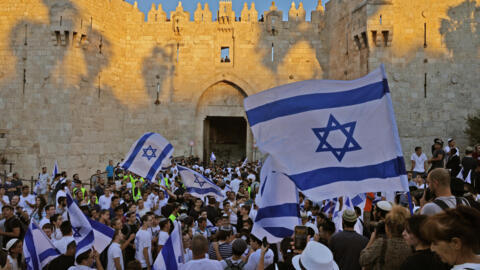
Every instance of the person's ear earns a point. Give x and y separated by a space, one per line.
456 243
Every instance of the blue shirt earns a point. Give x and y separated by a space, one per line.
109 170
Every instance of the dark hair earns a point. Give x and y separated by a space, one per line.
461 222
54 218
144 218
328 226
201 219
223 235
417 148
255 239
163 223
47 226
83 256
348 224
7 206
413 225
66 228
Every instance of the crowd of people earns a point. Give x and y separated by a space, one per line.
440 229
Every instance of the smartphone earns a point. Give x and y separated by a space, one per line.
264 242
300 237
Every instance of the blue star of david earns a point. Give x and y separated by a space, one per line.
199 181
347 129
149 149
76 231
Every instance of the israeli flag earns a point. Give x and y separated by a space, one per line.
171 255
86 232
278 212
467 179
244 162
55 170
332 138
212 157
198 185
37 248
148 155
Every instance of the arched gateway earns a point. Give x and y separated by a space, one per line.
221 123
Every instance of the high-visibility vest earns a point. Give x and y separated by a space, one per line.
137 196
83 192
172 217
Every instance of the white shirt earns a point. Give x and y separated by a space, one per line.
105 201
14 263
60 193
235 185
6 200
114 251
419 162
143 239
80 267
473 266
23 203
202 264
143 211
162 238
254 259
62 244
252 177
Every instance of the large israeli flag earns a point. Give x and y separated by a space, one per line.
332 138
171 256
86 232
148 155
55 170
277 199
37 248
198 185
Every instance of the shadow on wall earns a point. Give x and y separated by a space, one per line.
158 73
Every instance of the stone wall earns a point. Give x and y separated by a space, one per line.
80 77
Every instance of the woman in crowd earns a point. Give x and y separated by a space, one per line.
423 258
391 251
455 237
15 249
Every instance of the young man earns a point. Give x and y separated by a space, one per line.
65 260
114 253
419 162
106 199
438 156
67 237
199 248
164 230
49 212
13 227
347 244
85 261
255 255
143 243
27 200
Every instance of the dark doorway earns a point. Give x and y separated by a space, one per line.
226 137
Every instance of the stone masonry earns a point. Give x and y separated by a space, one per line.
79 78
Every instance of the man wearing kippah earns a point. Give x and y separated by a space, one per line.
347 244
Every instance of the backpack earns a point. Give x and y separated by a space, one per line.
444 206
234 266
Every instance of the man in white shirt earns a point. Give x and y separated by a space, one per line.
43 179
143 243
114 253
199 261
4 200
66 229
255 254
106 199
49 212
163 235
235 184
27 200
141 208
419 162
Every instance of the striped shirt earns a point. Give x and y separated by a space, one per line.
224 248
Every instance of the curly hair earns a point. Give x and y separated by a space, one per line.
395 220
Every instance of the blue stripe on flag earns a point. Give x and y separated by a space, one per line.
281 210
203 191
279 232
387 169
158 162
87 240
304 103
169 255
47 253
137 149
31 249
99 227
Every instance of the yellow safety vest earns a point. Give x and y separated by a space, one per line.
83 192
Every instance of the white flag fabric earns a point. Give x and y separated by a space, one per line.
468 179
83 229
37 248
244 163
213 157
171 255
198 185
332 138
148 155
460 174
277 199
